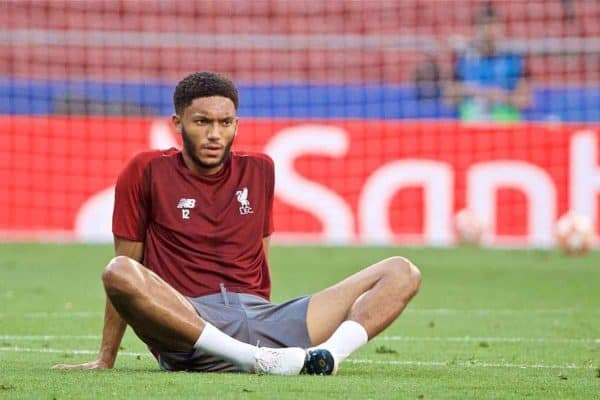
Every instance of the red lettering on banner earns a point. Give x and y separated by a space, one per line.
337 181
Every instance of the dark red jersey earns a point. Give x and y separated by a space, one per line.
199 231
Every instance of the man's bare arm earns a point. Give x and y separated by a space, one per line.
266 246
114 325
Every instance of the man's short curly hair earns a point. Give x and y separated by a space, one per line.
203 84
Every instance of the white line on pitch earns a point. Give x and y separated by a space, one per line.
492 311
352 360
468 339
457 339
436 311
475 364
47 337
60 314
65 351
63 314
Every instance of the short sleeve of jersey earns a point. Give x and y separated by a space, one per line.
270 192
132 200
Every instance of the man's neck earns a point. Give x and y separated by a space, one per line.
199 170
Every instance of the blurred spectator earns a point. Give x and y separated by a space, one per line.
568 7
427 78
490 83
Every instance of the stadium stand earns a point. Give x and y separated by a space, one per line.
295 61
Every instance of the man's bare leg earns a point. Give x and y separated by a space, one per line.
165 320
159 314
344 316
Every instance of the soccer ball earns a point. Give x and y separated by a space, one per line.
574 233
469 227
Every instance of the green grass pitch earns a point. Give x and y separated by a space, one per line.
486 324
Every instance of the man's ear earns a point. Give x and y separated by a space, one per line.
237 121
176 123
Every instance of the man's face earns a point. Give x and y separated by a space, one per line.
208 127
488 33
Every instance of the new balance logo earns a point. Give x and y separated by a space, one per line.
185 205
242 197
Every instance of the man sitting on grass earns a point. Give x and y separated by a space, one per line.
191 276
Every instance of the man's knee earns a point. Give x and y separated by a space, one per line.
120 275
405 274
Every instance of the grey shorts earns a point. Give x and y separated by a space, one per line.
248 318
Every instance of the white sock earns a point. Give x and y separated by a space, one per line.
347 338
217 343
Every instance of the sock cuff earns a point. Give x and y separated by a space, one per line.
358 328
207 333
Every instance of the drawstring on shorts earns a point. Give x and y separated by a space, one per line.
224 294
